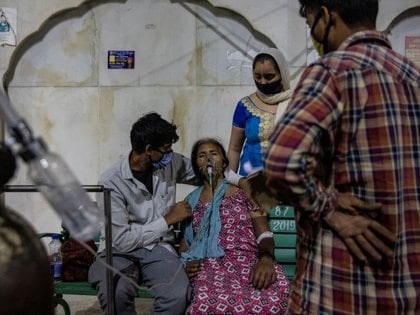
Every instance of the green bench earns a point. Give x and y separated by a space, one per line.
282 224
80 287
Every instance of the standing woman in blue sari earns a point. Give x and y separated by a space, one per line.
256 114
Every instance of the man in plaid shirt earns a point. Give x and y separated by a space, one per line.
346 155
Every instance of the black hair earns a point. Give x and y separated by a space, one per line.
154 130
352 12
194 155
263 57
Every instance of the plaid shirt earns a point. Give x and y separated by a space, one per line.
353 124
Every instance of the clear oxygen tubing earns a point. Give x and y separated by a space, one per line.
7 112
210 173
127 278
53 177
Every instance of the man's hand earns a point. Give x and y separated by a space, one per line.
365 238
263 273
353 205
193 268
178 213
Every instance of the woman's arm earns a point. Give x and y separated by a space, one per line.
194 267
263 273
237 139
183 247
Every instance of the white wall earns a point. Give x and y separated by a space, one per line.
192 66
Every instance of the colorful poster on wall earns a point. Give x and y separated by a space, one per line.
412 48
8 26
121 59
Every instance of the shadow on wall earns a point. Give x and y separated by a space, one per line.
242 45
412 12
37 36
220 21
224 13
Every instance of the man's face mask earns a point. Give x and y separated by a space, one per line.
321 47
270 88
164 161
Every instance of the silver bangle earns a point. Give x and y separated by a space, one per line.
264 235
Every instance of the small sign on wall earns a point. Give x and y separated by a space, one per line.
121 59
412 48
8 25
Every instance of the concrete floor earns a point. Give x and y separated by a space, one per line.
88 305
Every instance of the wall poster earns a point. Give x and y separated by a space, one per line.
121 59
8 26
412 48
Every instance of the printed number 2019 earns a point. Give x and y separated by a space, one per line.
283 225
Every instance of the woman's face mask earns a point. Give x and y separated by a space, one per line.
266 78
164 161
269 88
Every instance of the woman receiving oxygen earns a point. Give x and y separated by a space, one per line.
227 246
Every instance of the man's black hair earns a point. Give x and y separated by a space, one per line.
353 12
154 130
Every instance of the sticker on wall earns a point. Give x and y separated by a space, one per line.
8 25
412 48
121 59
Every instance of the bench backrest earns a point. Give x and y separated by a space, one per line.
282 224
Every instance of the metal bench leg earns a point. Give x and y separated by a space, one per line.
58 300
